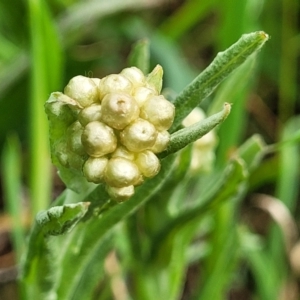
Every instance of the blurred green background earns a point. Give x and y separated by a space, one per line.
45 43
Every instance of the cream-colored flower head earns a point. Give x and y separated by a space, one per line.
122 124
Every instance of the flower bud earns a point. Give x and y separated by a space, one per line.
123 152
119 109
83 90
96 81
74 133
138 136
114 83
90 114
135 75
161 142
121 172
98 139
120 194
94 169
148 163
142 94
159 111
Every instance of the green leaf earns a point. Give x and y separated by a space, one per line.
185 136
140 55
225 187
224 63
61 219
38 269
61 111
97 229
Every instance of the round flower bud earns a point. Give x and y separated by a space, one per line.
142 94
83 90
90 114
159 111
123 152
148 163
118 110
161 142
120 194
94 169
98 139
138 136
74 133
135 75
121 172
114 83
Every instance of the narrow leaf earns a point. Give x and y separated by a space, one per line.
140 55
185 136
224 63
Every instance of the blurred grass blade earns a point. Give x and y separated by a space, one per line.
46 76
140 55
185 136
224 63
225 187
189 14
287 185
11 177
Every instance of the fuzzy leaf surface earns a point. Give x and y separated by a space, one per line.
185 136
224 64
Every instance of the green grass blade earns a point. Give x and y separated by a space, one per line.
140 55
11 175
223 65
46 74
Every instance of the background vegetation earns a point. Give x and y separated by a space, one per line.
248 248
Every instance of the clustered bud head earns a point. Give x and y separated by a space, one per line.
122 122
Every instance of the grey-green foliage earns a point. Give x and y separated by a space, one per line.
70 266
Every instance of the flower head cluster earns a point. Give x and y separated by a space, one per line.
121 123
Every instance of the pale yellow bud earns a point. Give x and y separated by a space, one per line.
138 136
83 90
94 169
120 194
121 172
135 75
98 139
96 81
142 94
161 142
123 152
148 163
114 83
159 111
118 110
90 114
74 133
